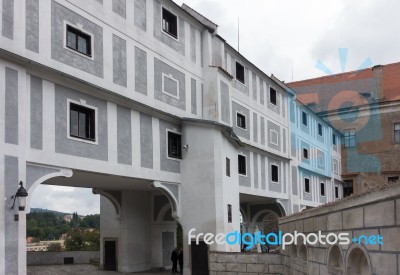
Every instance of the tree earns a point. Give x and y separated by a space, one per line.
54 247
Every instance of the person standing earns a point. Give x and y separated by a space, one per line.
180 259
174 259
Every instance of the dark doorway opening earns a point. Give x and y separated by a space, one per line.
347 188
199 258
110 255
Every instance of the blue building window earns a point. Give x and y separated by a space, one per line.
320 129
350 138
304 118
333 139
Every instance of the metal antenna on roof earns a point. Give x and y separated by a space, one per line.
238 33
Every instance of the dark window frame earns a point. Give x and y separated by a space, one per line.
240 73
273 96
320 130
322 188
396 133
228 167
78 34
242 165
307 185
241 121
336 192
304 118
174 145
229 213
169 23
347 188
306 154
334 142
350 138
274 173
90 122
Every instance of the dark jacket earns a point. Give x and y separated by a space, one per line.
180 258
174 256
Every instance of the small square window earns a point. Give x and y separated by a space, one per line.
304 118
228 167
272 96
320 129
336 192
169 23
174 145
82 122
229 213
307 185
79 41
242 165
274 173
241 121
305 153
397 133
322 189
239 72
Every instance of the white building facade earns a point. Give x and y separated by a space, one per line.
145 103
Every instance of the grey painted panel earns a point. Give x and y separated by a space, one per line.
160 68
246 180
124 135
262 96
170 86
239 131
119 61
293 147
140 14
225 105
8 19
192 44
119 7
167 247
33 173
262 131
68 146
216 52
284 140
146 141
60 14
294 181
178 45
193 97
277 129
255 164
11 179
292 112
263 180
254 84
255 128
244 88
159 202
36 113
277 187
296 208
32 25
140 71
11 106
166 163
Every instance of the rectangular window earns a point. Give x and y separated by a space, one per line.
239 72
304 118
349 138
228 167
333 139
305 153
229 213
272 96
336 192
347 188
82 122
174 145
397 133
241 121
274 173
322 189
79 41
320 129
242 165
169 23
393 180
307 185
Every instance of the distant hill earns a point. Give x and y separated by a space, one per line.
41 210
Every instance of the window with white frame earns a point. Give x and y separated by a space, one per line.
82 121
349 138
229 213
170 23
322 187
274 137
304 118
242 168
272 96
240 72
307 185
170 86
274 173
78 40
174 145
241 120
321 158
305 153
336 192
320 132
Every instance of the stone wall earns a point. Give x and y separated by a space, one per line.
245 263
377 212
56 258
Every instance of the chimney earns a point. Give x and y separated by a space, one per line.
378 77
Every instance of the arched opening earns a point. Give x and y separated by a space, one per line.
293 251
270 223
303 252
357 262
335 260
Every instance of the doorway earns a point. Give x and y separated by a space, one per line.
110 255
199 258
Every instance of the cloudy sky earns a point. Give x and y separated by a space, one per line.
278 35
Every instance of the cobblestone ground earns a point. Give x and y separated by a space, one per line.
80 269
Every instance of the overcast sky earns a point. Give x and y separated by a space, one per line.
278 35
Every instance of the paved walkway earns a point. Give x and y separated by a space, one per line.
79 269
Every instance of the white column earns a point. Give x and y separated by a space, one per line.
112 132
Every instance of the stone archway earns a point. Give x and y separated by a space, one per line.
357 262
335 260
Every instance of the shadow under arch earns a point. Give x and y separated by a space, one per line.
302 252
358 261
335 260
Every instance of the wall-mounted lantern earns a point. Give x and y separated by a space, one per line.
21 197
